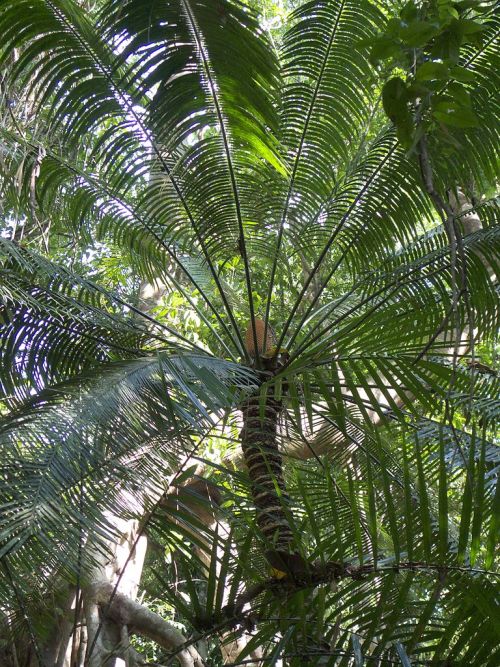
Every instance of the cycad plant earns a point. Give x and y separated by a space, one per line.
249 282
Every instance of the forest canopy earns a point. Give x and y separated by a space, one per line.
249 316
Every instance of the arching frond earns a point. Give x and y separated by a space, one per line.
110 437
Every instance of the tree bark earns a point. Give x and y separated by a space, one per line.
126 612
264 463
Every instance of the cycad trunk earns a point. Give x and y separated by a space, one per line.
265 469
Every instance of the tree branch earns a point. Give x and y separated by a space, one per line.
125 611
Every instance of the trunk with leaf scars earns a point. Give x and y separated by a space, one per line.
264 462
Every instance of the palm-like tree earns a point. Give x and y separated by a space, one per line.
336 298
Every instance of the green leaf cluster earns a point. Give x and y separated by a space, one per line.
428 41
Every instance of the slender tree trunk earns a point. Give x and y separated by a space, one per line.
265 469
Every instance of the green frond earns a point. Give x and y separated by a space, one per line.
327 96
89 444
213 120
48 310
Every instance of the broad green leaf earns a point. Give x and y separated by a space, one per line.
459 93
418 33
384 48
394 98
469 26
432 70
409 11
462 74
457 116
